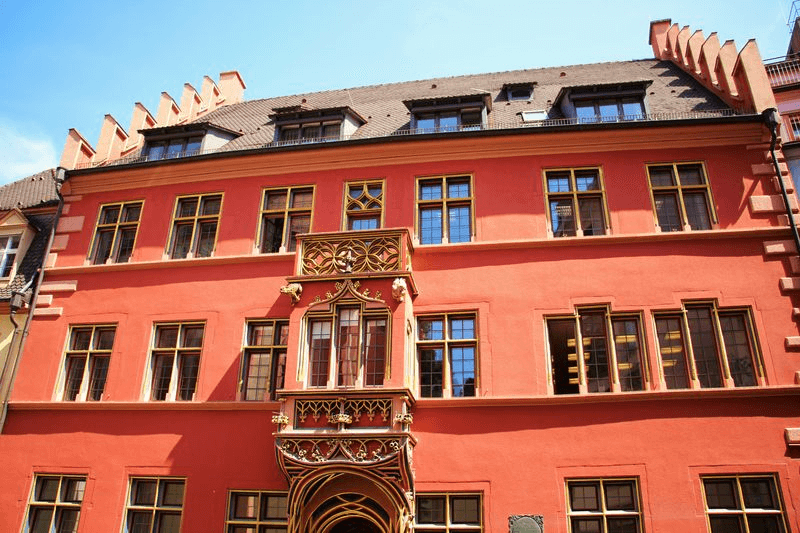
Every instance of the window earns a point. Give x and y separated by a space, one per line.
519 91
720 349
609 109
454 513
534 116
447 351
681 196
311 132
175 361
194 226
744 504
444 209
264 361
257 512
453 120
363 205
600 505
171 148
115 233
154 505
285 213
348 348
55 504
596 351
9 246
576 202
86 362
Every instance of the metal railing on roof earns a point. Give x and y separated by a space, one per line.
546 123
783 71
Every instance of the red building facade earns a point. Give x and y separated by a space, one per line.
561 303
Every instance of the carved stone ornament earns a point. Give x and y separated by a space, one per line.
294 290
280 419
399 289
526 523
344 287
340 418
344 260
404 418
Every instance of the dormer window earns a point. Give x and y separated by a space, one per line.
184 141
9 246
451 113
614 102
16 234
298 124
519 91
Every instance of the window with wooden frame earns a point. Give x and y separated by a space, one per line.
681 196
264 359
363 205
9 247
55 503
447 351
285 213
115 233
703 346
576 203
348 347
86 362
194 226
444 209
596 350
609 109
450 512
257 511
600 505
175 361
744 504
155 505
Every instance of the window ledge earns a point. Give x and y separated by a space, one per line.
610 397
144 406
602 240
175 263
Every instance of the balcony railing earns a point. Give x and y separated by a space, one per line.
783 71
517 125
354 252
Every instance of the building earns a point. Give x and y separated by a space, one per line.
28 210
557 299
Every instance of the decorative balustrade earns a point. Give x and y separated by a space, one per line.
354 252
362 449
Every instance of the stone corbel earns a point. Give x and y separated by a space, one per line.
294 290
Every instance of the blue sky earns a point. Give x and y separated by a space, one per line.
67 64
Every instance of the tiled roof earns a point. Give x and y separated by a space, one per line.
34 191
672 91
39 190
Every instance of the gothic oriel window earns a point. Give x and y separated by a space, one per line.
348 346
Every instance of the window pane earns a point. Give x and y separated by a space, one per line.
182 241
431 376
74 379
125 246
721 493
464 510
40 520
585 112
662 176
431 329
626 342
471 118
758 493
290 134
166 336
162 376
155 151
347 347
430 222
430 190
211 205
584 496
172 493
457 189
562 215
140 521
46 489
764 524
563 356
168 522
302 198
97 382
256 379
559 182
587 180
272 234
462 328
67 521
669 218
297 224
187 207
426 122
188 377
587 525
623 525
595 352
462 370
375 351
109 215
737 346
104 338
726 524
260 335
609 112
673 358
697 210
430 510
175 148
620 495
459 224
632 109
448 121
363 223
81 338
144 492
275 199
704 347
244 506
73 490
320 345
102 248
274 507
207 235
193 145
592 219
192 337
691 175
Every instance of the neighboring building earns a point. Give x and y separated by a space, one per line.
28 211
554 299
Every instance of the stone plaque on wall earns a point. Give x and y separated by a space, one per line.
526 523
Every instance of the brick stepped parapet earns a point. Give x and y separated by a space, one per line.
116 142
739 79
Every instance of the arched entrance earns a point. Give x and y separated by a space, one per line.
355 525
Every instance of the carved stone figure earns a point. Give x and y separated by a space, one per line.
294 290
